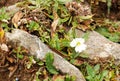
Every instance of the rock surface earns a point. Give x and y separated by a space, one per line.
39 49
99 46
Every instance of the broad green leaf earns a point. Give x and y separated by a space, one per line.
103 74
89 78
97 68
84 55
90 71
103 31
49 63
115 37
67 78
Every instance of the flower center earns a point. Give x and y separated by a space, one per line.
78 44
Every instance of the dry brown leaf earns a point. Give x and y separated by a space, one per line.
55 22
16 18
4 47
57 77
83 27
12 70
11 60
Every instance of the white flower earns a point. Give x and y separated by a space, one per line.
79 45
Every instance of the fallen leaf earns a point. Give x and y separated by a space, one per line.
83 27
16 18
2 34
54 23
4 47
11 60
58 78
12 70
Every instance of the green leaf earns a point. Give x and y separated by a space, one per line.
115 37
103 74
84 55
64 20
4 14
97 68
111 74
64 43
71 33
70 78
90 71
49 63
55 42
33 25
20 56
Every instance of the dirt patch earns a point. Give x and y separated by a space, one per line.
8 2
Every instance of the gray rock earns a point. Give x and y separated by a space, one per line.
39 49
13 8
99 46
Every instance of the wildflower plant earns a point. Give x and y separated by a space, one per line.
79 44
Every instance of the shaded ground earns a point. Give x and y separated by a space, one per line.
12 67
8 2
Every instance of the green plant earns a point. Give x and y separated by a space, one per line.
94 73
55 42
49 63
32 26
3 14
115 36
19 52
30 62
70 78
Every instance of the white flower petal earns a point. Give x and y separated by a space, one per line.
77 49
73 43
81 40
80 48
83 46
